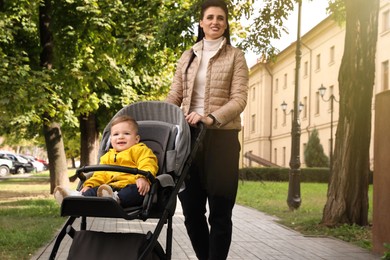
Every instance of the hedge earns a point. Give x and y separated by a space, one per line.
320 175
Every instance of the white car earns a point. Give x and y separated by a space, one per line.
21 164
6 167
38 166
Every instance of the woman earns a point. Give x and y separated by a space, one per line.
211 85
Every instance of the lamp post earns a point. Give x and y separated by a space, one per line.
293 199
284 108
331 98
294 188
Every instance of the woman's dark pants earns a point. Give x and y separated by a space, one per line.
213 178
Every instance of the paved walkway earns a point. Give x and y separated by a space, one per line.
255 236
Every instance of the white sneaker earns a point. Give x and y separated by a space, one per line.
106 191
60 193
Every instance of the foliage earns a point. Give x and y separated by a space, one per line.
266 25
314 152
107 54
386 255
320 175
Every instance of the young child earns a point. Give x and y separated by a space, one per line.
128 189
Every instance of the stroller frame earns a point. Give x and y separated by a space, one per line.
175 155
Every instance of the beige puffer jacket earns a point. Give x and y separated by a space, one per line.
226 87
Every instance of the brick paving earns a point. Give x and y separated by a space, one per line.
255 236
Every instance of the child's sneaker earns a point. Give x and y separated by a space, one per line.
106 191
60 193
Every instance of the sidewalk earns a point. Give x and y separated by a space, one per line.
255 236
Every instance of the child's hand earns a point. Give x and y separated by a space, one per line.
143 186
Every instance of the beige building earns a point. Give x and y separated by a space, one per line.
267 128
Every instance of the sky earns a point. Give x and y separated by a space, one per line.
312 13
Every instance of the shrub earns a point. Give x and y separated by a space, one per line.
314 152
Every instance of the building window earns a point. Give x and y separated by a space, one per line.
386 21
253 123
331 55
317 105
275 155
253 93
305 69
304 107
285 81
318 62
276 85
276 118
385 75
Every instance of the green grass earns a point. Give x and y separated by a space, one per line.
29 215
271 197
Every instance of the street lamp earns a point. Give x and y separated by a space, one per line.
294 186
284 108
293 198
331 98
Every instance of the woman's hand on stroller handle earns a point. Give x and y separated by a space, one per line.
194 118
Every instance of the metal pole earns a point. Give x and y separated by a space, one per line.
294 189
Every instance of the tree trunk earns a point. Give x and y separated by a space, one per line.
347 201
52 130
56 154
89 137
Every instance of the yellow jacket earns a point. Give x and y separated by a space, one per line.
138 156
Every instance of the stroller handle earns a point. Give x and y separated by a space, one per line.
113 168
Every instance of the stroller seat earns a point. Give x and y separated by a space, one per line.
163 128
158 136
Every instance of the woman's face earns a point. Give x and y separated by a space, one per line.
214 23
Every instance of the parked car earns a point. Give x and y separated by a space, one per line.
39 166
21 165
6 167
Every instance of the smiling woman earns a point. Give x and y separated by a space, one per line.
211 86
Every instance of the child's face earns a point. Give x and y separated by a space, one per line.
123 136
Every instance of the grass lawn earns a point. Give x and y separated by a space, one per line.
29 215
271 198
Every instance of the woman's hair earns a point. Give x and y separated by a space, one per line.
125 118
214 3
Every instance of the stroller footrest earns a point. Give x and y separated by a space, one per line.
104 207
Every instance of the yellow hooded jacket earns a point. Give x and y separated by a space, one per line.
138 156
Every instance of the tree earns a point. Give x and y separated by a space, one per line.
347 199
85 60
314 152
51 128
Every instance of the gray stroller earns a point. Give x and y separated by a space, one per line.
162 128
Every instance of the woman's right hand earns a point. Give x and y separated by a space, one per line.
194 118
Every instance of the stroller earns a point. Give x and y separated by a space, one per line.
162 128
